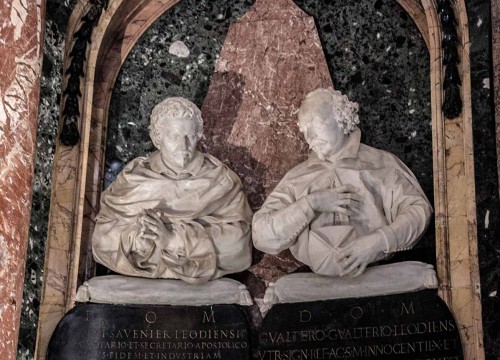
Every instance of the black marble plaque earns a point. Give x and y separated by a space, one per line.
145 332
412 326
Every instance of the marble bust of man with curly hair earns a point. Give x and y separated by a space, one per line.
348 205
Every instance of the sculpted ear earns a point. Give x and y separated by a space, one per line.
199 126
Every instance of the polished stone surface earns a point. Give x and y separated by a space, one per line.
103 331
492 286
150 73
21 34
410 326
251 115
373 50
495 82
265 69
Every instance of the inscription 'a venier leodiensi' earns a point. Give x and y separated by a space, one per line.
101 332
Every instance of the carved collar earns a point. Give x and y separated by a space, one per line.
349 151
192 169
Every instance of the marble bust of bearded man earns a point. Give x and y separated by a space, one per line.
177 213
349 204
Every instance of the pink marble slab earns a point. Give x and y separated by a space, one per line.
272 57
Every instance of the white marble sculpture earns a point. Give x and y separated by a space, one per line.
177 213
348 205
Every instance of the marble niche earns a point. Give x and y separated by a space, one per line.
363 44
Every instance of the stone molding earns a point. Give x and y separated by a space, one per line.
78 171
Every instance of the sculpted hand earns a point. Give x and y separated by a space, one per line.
155 230
357 255
343 199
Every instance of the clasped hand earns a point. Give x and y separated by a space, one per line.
360 252
343 200
152 231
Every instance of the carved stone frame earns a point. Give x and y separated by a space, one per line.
77 174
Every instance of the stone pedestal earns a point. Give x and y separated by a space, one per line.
20 65
163 332
406 326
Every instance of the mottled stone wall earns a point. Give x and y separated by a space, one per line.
57 15
485 160
21 33
495 84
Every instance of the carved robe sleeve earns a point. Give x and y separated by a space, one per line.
233 247
281 219
407 210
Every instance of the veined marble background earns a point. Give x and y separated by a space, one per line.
375 55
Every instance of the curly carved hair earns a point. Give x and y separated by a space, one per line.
344 111
173 108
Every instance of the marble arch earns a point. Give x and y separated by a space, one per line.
78 170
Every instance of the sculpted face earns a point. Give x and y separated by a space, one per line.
178 142
321 132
